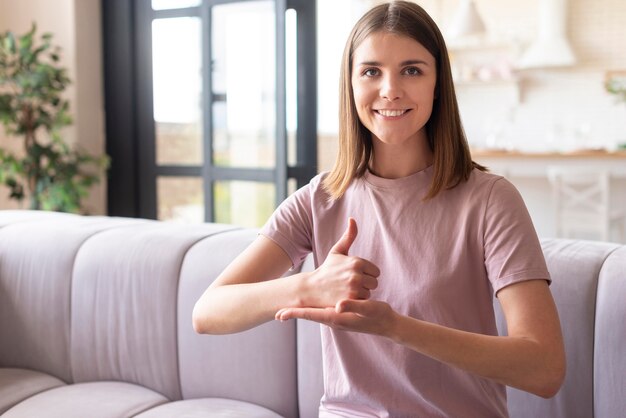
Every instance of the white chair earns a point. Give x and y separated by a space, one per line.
582 204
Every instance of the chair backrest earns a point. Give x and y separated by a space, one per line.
581 200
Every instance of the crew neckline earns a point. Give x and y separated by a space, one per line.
421 177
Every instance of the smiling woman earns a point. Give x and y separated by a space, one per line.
404 290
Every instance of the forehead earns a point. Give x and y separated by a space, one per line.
389 48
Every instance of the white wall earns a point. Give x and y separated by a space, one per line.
75 25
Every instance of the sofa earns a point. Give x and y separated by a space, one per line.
95 321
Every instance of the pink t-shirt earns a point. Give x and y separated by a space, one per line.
441 261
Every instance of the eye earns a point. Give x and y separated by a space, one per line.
371 72
412 71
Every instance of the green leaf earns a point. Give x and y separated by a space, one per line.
10 43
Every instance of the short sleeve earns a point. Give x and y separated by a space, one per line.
512 249
291 226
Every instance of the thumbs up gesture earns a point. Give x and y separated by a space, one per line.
341 276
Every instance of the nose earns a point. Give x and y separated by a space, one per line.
390 88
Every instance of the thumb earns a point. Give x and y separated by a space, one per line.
359 307
343 245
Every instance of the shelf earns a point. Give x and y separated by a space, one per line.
486 83
508 86
581 153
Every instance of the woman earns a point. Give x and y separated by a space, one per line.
404 291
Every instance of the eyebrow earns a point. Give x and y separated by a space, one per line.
402 64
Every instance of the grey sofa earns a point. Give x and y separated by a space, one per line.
95 321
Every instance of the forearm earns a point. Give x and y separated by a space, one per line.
233 308
514 361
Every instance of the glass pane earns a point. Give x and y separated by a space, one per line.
244 71
292 186
177 86
174 4
180 199
243 203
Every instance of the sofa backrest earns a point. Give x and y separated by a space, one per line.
609 365
37 255
96 298
575 267
124 304
310 373
258 365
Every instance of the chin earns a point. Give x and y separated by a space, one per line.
392 139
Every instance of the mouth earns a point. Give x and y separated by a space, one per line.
392 113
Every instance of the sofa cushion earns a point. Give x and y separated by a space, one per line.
610 339
124 304
93 400
18 384
256 366
209 408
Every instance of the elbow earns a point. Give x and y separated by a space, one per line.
199 321
551 381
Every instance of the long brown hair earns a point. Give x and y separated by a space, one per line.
446 137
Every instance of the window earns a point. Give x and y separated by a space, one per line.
211 107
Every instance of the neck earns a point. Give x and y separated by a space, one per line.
394 161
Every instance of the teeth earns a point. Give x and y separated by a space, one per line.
391 112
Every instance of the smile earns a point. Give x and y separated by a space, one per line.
391 113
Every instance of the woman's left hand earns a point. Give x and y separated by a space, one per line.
367 316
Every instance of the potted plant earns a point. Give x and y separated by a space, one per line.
615 84
52 174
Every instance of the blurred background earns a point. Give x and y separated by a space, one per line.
217 110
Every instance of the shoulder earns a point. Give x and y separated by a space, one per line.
317 183
307 197
485 192
484 178
481 183
493 185
315 191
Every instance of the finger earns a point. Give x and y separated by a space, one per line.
360 307
310 314
343 245
279 313
366 266
363 293
369 268
369 282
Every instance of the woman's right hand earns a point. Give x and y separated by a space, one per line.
341 276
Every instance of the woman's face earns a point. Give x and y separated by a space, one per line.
393 81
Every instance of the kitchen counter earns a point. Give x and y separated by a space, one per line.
525 164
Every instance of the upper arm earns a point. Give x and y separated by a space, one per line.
531 313
262 260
